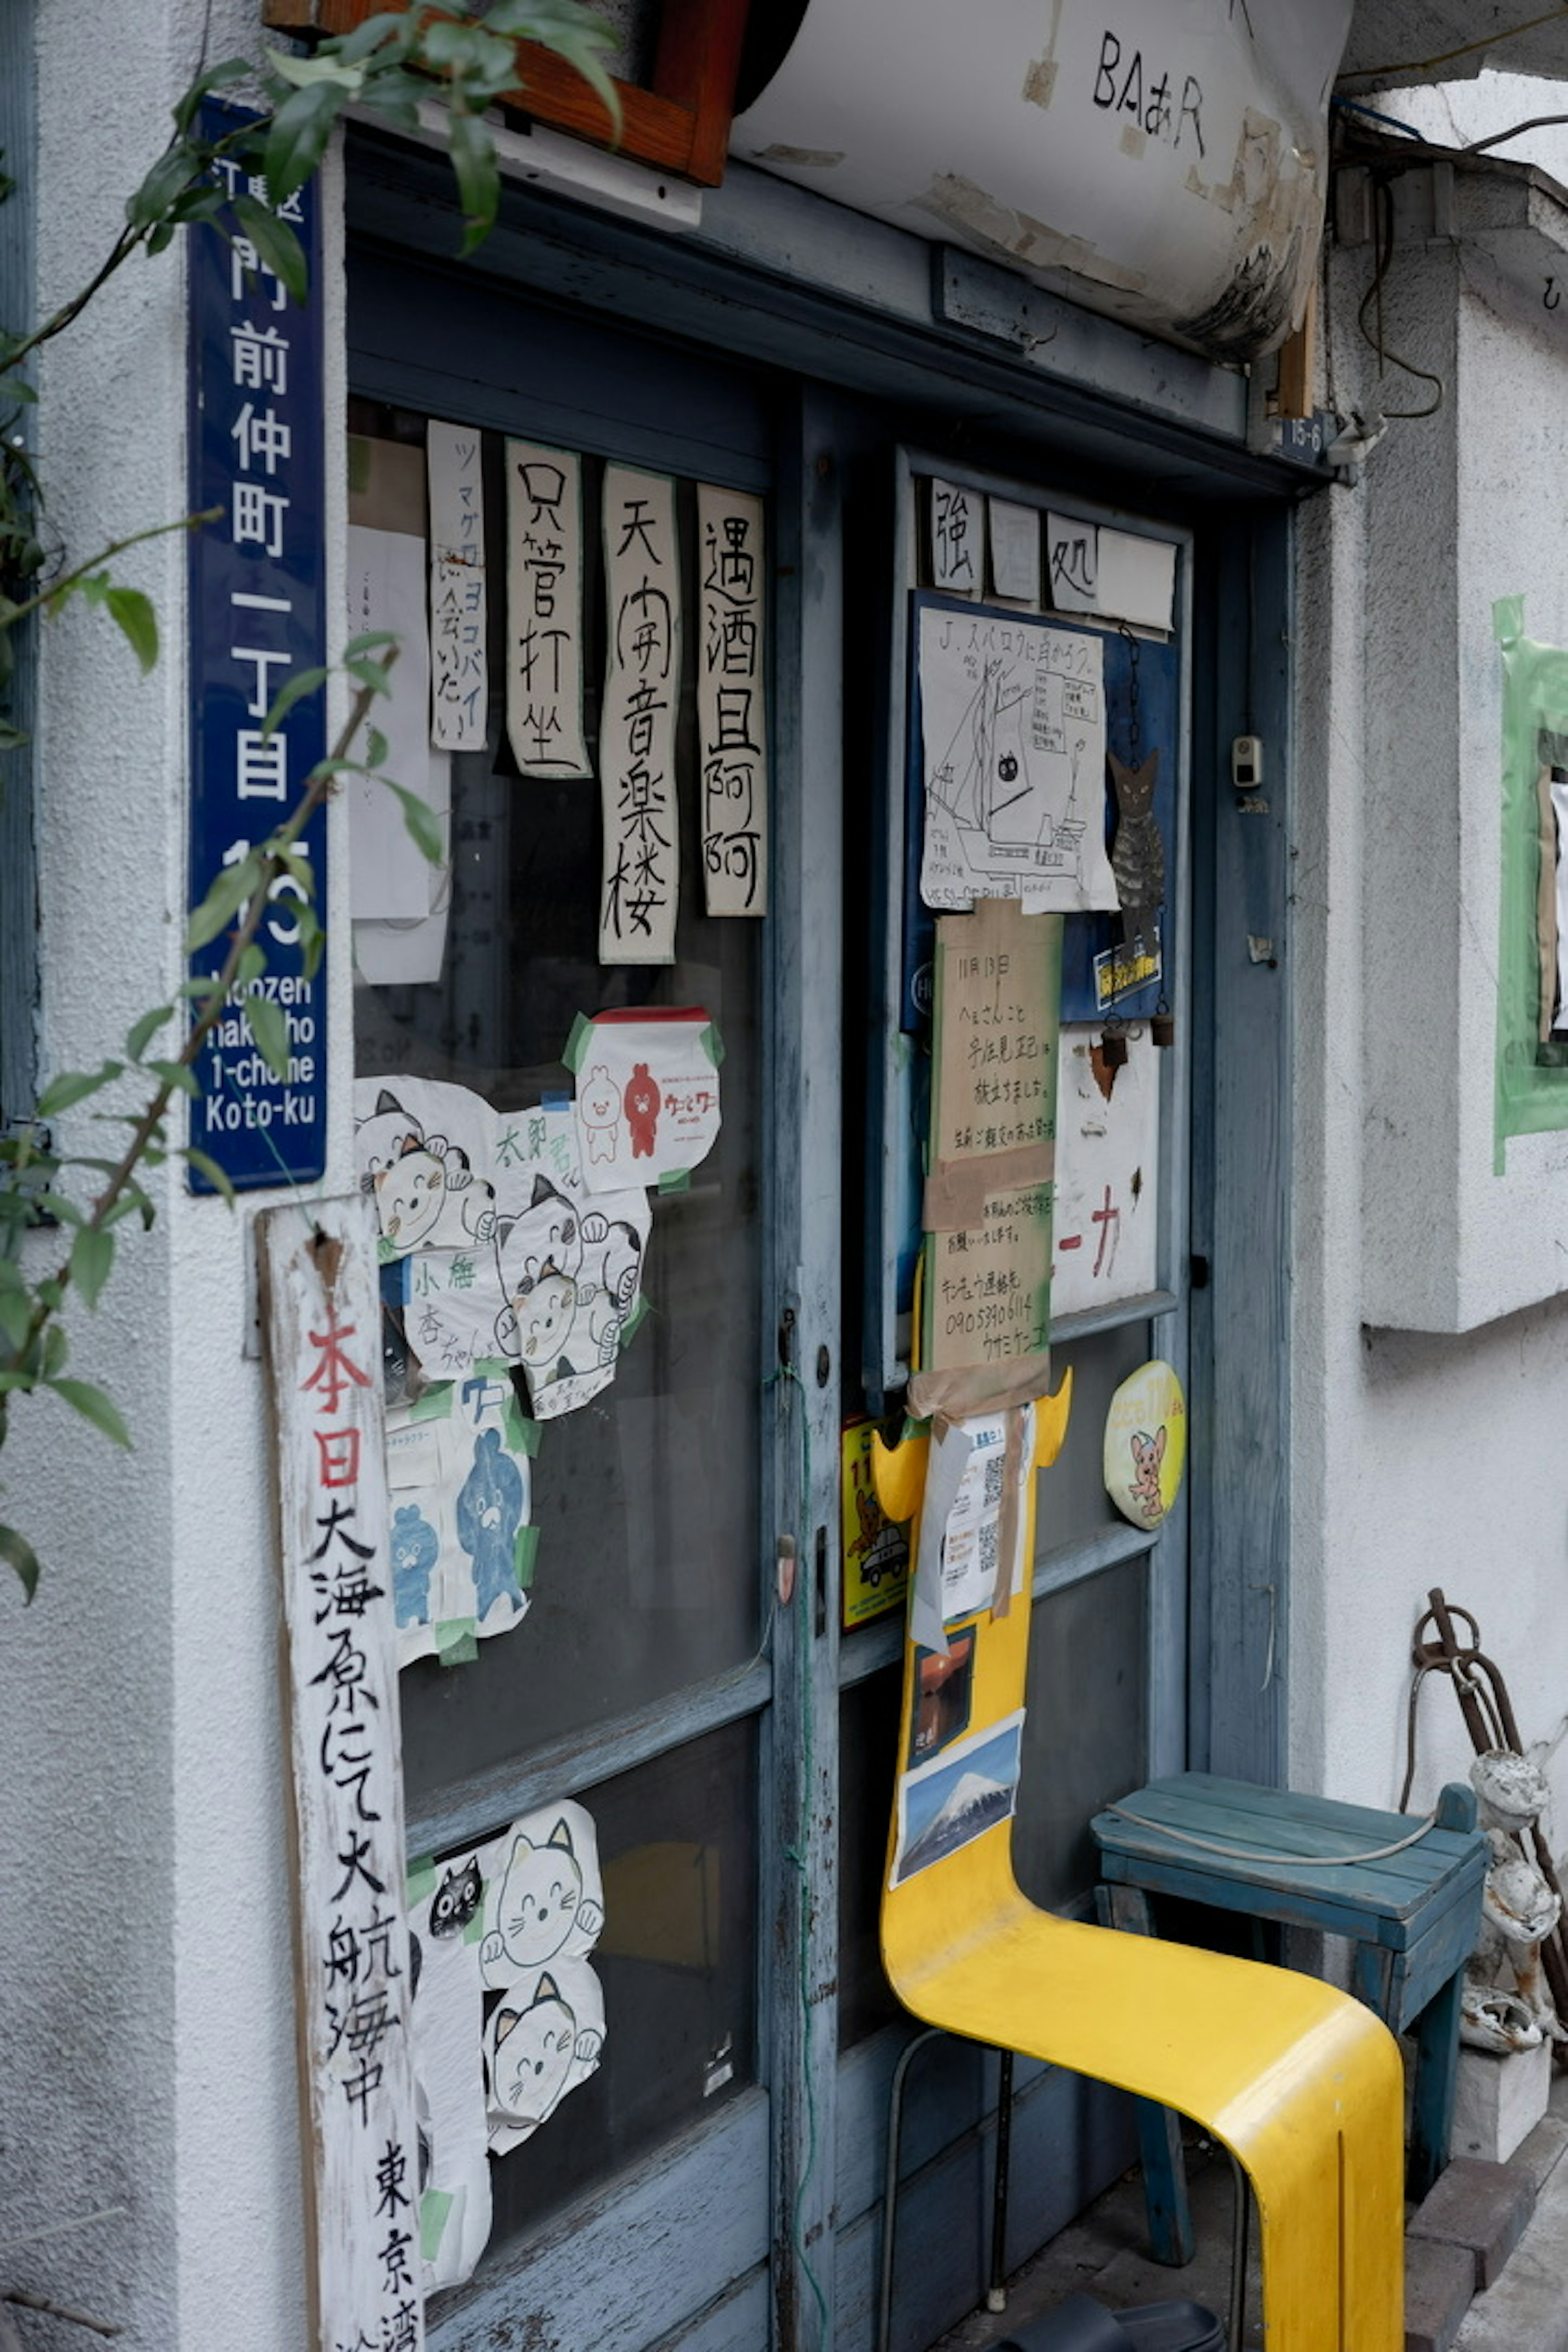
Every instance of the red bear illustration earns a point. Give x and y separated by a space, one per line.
640 1102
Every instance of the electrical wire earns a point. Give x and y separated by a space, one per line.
1383 247
1465 50
1536 122
1354 106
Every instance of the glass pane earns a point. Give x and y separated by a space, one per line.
1085 1733
1073 1503
868 1720
647 1499
677 1845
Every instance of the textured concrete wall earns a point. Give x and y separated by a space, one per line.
1422 1456
144 1937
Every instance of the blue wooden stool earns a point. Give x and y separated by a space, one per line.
1412 1915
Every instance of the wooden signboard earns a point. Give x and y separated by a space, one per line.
321 1321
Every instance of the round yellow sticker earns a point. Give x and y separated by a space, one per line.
1146 1443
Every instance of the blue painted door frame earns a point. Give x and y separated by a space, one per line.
790 2175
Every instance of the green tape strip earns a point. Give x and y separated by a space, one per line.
713 1043
456 1641
434 1403
434 2210
421 1879
634 1321
576 1044
1508 619
521 1434
675 1179
524 1549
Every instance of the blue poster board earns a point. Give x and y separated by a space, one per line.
258 618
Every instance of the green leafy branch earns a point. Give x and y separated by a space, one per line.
33 1349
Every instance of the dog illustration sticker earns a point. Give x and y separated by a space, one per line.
1146 1445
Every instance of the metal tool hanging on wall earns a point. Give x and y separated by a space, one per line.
1484 1703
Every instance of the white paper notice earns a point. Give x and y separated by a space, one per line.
389 875
459 659
1012 724
636 731
544 611
945 1466
1117 574
1015 551
647 1096
732 701
393 953
971 1560
957 542
1108 1172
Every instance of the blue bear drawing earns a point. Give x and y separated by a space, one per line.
489 1512
416 1548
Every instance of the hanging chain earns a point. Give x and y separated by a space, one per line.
1135 718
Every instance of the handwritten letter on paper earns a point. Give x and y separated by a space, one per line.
460 660
636 731
1012 720
731 708
544 611
322 1319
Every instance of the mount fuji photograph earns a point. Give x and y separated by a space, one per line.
968 1791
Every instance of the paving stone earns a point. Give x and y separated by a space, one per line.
1482 2206
1439 2281
1538 2154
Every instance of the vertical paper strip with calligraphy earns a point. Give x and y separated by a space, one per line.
321 1316
544 611
732 701
636 732
459 656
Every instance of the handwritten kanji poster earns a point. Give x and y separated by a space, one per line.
986 1211
320 1321
957 539
459 623
1108 1170
544 611
1012 757
648 1094
641 887
732 700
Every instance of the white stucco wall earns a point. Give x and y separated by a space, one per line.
145 1937
1426 1455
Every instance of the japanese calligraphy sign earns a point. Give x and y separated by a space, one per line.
985 1323
637 730
957 540
257 619
459 659
321 1321
648 1094
732 701
544 611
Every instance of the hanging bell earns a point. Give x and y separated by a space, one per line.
1114 1046
1163 1025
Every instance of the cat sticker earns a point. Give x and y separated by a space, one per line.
457 1900
549 1904
543 2038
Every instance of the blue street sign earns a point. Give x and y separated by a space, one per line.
258 618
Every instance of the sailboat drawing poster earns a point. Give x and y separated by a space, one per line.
1013 749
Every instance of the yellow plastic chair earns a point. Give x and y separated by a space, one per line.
1302 2083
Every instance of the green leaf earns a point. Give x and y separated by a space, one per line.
174 168
276 245
304 123
421 823
15 1314
375 749
74 1086
327 67
369 643
140 1034
178 1074
270 1031
92 1260
232 890
16 1549
92 1404
57 1348
283 701
374 674
473 152
215 1176
216 78
138 623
